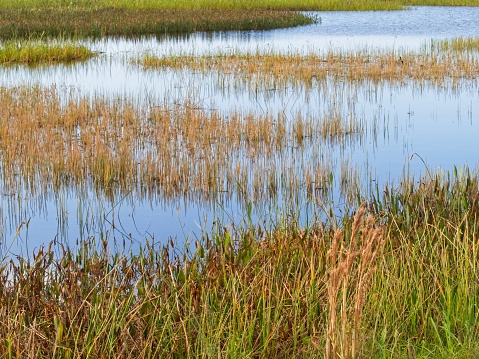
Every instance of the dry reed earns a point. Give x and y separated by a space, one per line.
117 146
351 265
398 67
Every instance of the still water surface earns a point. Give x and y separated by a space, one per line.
437 123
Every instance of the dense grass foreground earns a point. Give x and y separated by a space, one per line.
401 283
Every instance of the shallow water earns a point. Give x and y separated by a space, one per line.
403 125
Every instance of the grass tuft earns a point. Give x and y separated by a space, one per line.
40 52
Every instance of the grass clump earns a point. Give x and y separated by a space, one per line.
41 52
118 146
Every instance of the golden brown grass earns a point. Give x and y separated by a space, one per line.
351 264
169 151
399 67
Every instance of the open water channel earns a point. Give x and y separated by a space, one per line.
405 128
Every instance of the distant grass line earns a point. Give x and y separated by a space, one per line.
41 22
296 5
88 18
41 52
208 4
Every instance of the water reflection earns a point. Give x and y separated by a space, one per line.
394 122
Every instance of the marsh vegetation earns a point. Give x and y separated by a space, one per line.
98 22
34 53
398 278
326 258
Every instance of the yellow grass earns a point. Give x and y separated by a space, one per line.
178 150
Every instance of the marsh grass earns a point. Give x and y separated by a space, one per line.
251 292
116 146
376 66
77 22
34 53
396 278
459 44
432 227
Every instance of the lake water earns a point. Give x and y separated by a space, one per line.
438 124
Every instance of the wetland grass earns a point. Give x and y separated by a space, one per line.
459 44
376 66
78 22
34 53
397 278
166 151
243 293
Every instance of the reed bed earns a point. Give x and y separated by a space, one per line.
435 67
34 53
396 278
50 141
60 22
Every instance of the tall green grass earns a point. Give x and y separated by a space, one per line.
429 273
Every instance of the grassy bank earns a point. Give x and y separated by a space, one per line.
396 279
296 5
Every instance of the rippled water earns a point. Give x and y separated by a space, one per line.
439 124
